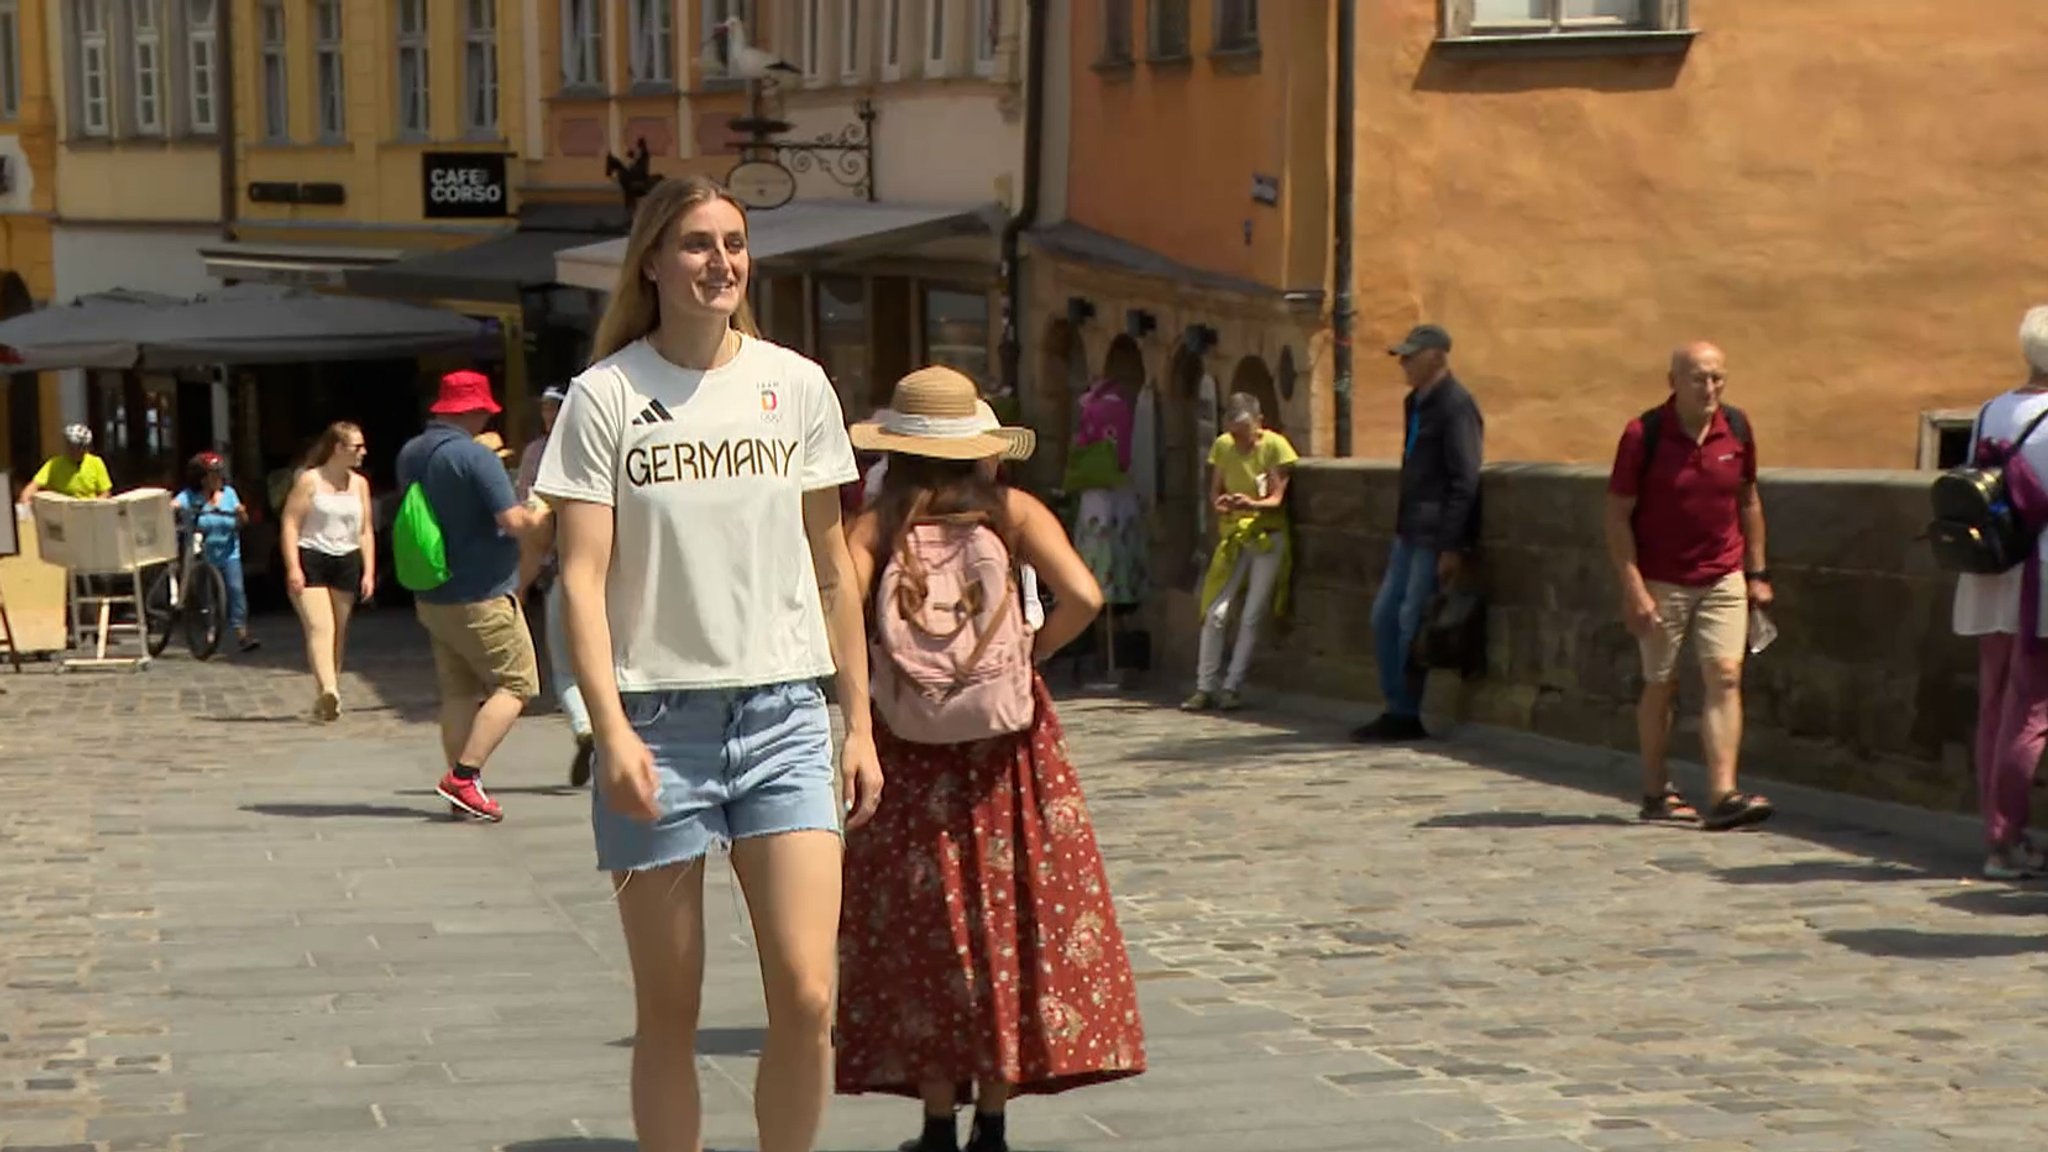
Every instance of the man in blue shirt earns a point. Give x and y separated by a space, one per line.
483 652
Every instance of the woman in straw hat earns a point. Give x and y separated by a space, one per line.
707 588
986 850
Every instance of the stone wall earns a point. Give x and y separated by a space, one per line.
1864 691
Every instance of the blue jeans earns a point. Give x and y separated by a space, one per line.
559 668
729 764
238 592
1397 611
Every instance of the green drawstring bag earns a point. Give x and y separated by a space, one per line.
416 543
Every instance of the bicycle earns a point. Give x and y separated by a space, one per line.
190 589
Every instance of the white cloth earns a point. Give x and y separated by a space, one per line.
711 581
1256 574
1988 604
334 520
1145 447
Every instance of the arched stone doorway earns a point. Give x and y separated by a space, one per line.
1253 377
1125 364
1062 377
1183 469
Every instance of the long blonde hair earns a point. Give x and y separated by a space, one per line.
634 309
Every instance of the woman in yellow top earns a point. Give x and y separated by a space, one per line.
76 473
1250 465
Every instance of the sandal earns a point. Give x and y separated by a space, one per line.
1737 810
1669 808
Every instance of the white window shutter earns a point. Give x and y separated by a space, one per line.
1457 18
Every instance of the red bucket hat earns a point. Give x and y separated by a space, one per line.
465 391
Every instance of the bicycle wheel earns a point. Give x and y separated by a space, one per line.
206 611
159 610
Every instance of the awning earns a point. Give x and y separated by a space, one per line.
499 269
270 324
92 331
298 265
804 228
243 324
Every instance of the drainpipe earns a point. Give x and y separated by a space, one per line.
224 114
1011 353
1340 263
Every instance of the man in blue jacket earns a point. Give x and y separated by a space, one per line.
1436 527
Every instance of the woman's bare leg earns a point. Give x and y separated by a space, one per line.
792 886
316 615
344 605
662 911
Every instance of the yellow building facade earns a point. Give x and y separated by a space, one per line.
29 412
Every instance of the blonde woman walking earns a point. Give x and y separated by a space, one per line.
330 554
707 587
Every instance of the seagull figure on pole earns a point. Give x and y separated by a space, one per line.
727 53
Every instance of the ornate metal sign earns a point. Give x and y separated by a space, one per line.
846 156
761 184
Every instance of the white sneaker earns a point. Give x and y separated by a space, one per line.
2021 861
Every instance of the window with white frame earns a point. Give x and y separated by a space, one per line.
714 14
1549 17
330 93
849 40
988 33
582 44
935 37
10 59
654 41
1237 25
276 92
892 39
480 67
202 64
146 67
810 52
95 97
1170 34
413 109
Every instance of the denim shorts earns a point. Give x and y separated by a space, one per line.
729 764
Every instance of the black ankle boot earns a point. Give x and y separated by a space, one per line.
941 1134
987 1135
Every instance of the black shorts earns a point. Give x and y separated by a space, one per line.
341 573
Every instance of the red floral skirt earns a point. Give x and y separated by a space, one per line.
977 940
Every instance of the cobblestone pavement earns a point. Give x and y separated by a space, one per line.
222 928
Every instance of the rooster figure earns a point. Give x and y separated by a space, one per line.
633 175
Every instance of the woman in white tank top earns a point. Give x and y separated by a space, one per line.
330 554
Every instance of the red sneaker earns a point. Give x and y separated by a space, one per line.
469 798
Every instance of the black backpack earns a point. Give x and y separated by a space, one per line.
1653 435
1981 526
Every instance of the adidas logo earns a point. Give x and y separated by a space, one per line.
654 413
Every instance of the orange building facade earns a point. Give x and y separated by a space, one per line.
30 414
1573 188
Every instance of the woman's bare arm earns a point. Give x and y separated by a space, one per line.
1042 543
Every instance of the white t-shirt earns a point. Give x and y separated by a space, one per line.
1988 604
711 581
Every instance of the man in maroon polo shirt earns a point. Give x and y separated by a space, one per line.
1685 531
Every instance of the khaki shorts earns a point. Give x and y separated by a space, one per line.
1716 617
481 648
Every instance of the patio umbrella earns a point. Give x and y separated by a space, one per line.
271 324
94 331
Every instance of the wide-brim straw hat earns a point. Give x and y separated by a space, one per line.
939 413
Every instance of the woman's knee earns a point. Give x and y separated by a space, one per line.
803 1003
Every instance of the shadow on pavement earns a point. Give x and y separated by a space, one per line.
1990 901
1524 820
304 811
574 1144
717 1041
1819 872
1907 944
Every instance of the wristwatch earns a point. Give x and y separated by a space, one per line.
1761 575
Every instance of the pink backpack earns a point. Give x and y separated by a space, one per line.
950 654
